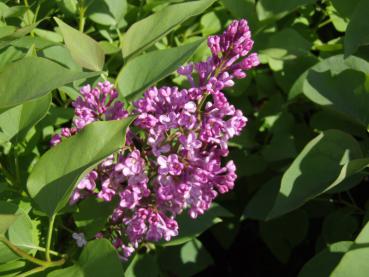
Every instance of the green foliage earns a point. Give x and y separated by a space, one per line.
98 258
145 32
300 205
137 75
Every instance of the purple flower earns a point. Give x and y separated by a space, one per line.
173 158
131 165
170 165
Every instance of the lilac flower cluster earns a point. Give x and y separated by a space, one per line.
173 155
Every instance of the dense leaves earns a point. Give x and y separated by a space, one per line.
300 204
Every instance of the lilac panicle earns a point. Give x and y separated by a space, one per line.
175 162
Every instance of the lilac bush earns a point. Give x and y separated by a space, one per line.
173 158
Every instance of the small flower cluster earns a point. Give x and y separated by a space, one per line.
173 155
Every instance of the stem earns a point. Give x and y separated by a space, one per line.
38 248
49 237
82 19
42 264
32 271
28 12
21 253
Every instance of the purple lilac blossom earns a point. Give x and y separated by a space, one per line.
177 164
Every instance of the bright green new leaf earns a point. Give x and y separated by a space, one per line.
84 50
357 32
314 170
145 32
98 258
138 73
34 78
21 117
54 176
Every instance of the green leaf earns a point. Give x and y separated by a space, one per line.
12 268
348 170
118 8
314 169
191 228
267 9
357 32
280 237
9 55
98 258
145 32
93 215
20 231
344 7
6 221
143 265
38 75
138 73
18 33
185 260
354 262
262 202
344 93
242 9
210 24
84 50
61 55
340 225
324 263
335 64
53 178
19 119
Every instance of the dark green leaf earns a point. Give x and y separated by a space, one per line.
315 169
344 93
335 64
340 225
191 228
280 237
357 32
143 265
185 260
324 263
98 258
267 9
92 215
